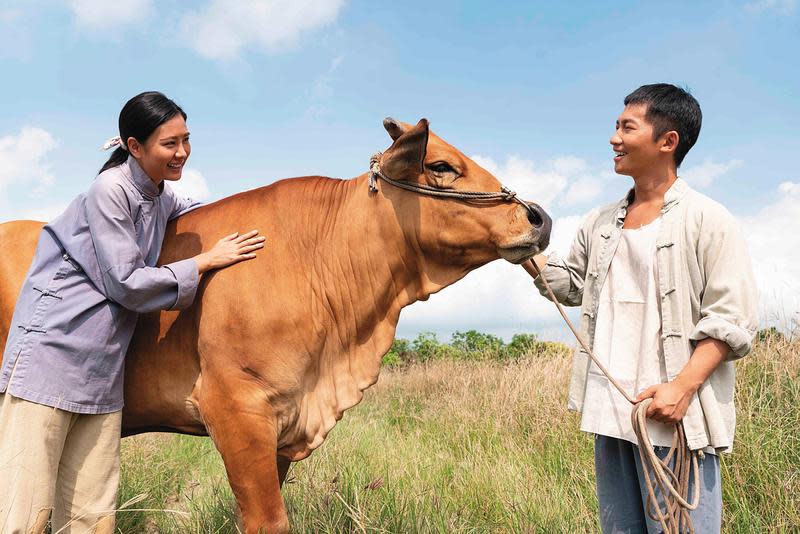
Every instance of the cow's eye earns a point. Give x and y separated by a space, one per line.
441 167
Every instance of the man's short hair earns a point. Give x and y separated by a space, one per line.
670 108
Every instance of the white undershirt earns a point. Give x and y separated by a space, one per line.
627 339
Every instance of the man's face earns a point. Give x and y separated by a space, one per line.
635 151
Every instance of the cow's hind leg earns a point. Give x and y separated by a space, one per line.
242 425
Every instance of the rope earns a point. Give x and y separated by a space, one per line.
659 478
505 194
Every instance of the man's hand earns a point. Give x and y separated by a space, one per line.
541 261
670 400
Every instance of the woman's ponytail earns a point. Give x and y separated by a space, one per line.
118 157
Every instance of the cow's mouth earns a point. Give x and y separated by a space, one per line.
519 252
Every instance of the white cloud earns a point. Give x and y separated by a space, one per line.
582 191
224 27
498 298
775 253
781 7
566 181
110 15
22 158
789 188
192 184
704 174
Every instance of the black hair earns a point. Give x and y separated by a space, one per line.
139 118
670 108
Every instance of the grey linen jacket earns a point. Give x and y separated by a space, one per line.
706 288
92 274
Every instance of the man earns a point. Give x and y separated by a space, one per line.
668 303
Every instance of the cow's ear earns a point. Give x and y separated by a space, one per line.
406 157
394 128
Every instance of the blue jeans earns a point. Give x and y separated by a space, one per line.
622 495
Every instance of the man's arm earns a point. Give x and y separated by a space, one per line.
671 400
566 276
727 315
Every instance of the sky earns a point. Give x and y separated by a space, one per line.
530 90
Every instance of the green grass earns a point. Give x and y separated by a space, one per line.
458 444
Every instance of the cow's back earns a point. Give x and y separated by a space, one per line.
18 242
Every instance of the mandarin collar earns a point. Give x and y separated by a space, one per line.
134 172
673 195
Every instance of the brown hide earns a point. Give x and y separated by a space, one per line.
275 349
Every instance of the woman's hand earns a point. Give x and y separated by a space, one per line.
229 250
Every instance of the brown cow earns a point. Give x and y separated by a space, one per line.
274 350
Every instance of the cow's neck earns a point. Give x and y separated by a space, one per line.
387 261
359 294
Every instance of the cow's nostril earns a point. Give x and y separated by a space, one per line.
535 215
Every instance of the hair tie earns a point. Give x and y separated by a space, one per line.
114 142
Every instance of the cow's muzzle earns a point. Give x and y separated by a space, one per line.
533 241
542 224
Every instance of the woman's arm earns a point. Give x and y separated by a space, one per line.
126 279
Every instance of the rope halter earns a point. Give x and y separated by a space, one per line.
505 194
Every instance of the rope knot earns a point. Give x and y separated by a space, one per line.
374 171
508 193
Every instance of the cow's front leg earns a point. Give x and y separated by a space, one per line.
242 425
283 468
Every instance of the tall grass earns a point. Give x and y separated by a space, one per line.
479 444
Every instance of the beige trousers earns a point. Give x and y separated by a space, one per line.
59 462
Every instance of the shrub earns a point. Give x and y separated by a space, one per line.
399 354
426 347
473 342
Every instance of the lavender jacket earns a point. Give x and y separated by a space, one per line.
93 273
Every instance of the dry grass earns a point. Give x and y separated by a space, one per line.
474 446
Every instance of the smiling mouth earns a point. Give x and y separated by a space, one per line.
175 166
618 155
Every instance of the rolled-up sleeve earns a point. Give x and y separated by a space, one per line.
729 301
126 279
566 276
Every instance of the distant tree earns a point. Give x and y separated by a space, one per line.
524 344
473 342
426 346
399 354
468 345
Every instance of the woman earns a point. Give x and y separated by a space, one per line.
92 274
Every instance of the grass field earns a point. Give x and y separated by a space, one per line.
471 444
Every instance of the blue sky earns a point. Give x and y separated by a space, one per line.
532 89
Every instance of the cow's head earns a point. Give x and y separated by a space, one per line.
456 231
